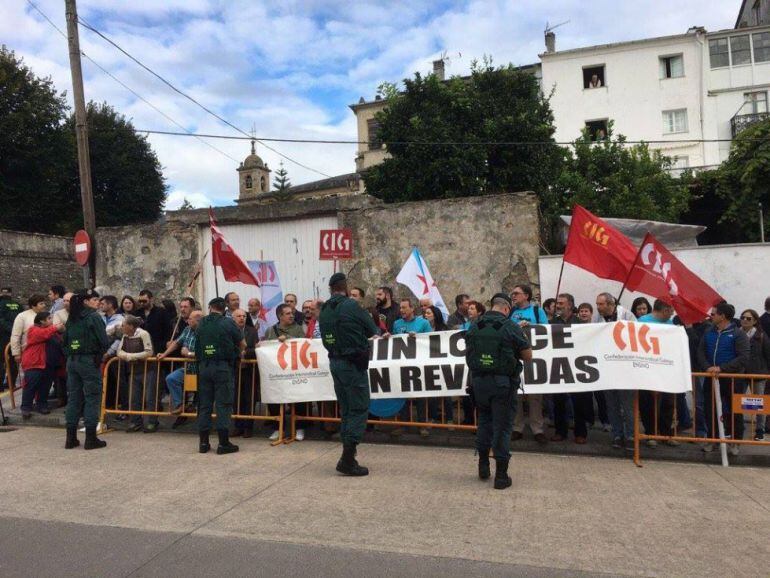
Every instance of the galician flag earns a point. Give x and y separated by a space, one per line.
272 294
415 275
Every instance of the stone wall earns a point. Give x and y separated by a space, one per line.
478 245
31 263
160 257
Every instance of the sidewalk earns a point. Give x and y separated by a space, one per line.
564 514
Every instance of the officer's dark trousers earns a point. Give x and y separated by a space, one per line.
495 397
215 386
351 385
583 412
84 390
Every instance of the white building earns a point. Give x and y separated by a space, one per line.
694 87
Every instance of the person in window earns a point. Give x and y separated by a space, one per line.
595 81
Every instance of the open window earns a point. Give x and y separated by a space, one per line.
671 66
249 182
597 129
593 76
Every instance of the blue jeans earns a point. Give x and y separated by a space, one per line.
620 408
38 383
495 397
175 385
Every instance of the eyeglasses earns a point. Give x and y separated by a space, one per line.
747 318
142 301
518 293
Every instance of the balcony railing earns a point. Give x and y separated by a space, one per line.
742 121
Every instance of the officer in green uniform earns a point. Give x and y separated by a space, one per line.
9 309
217 348
345 332
85 342
495 346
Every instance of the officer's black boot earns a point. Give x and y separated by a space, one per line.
93 442
484 472
225 447
502 479
348 464
204 445
72 438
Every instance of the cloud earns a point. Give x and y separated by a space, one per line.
289 68
178 196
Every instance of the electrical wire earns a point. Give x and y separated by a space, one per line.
191 99
131 90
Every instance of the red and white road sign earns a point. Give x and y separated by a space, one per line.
336 244
82 248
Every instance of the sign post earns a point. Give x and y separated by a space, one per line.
83 254
336 244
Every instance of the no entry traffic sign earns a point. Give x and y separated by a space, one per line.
82 248
336 244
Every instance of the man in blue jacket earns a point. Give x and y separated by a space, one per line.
724 348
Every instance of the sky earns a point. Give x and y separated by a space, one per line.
291 68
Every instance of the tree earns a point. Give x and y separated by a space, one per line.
281 182
186 205
126 175
493 105
616 180
34 147
39 178
744 182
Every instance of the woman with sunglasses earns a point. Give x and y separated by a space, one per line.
759 361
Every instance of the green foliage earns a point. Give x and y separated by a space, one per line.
616 180
39 177
744 182
492 105
186 205
281 182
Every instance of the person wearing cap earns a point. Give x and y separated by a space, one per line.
85 343
495 347
345 332
217 348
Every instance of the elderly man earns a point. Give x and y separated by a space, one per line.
310 313
184 347
247 381
233 302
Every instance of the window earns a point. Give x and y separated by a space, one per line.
679 164
756 12
761 46
671 66
596 129
718 53
593 76
373 128
755 103
674 121
263 184
740 50
249 182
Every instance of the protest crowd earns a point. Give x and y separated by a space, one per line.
143 327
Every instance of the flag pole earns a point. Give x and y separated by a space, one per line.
639 252
558 284
188 288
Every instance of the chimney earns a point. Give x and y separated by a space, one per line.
438 69
550 41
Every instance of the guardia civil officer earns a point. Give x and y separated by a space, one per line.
345 331
495 347
85 342
218 346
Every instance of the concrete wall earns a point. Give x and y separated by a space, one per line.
478 245
30 263
160 257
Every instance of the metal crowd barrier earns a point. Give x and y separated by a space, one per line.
739 387
120 380
11 374
434 412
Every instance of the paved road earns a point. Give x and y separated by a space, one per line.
149 505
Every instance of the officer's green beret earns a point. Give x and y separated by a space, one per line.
336 278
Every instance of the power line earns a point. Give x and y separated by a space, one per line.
442 143
191 99
132 91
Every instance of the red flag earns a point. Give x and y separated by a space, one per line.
597 247
222 255
657 272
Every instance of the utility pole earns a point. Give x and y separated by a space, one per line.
81 132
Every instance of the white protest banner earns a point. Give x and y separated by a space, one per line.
621 355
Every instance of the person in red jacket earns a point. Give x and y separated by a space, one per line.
38 377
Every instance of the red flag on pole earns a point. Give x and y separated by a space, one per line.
658 273
222 255
597 247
